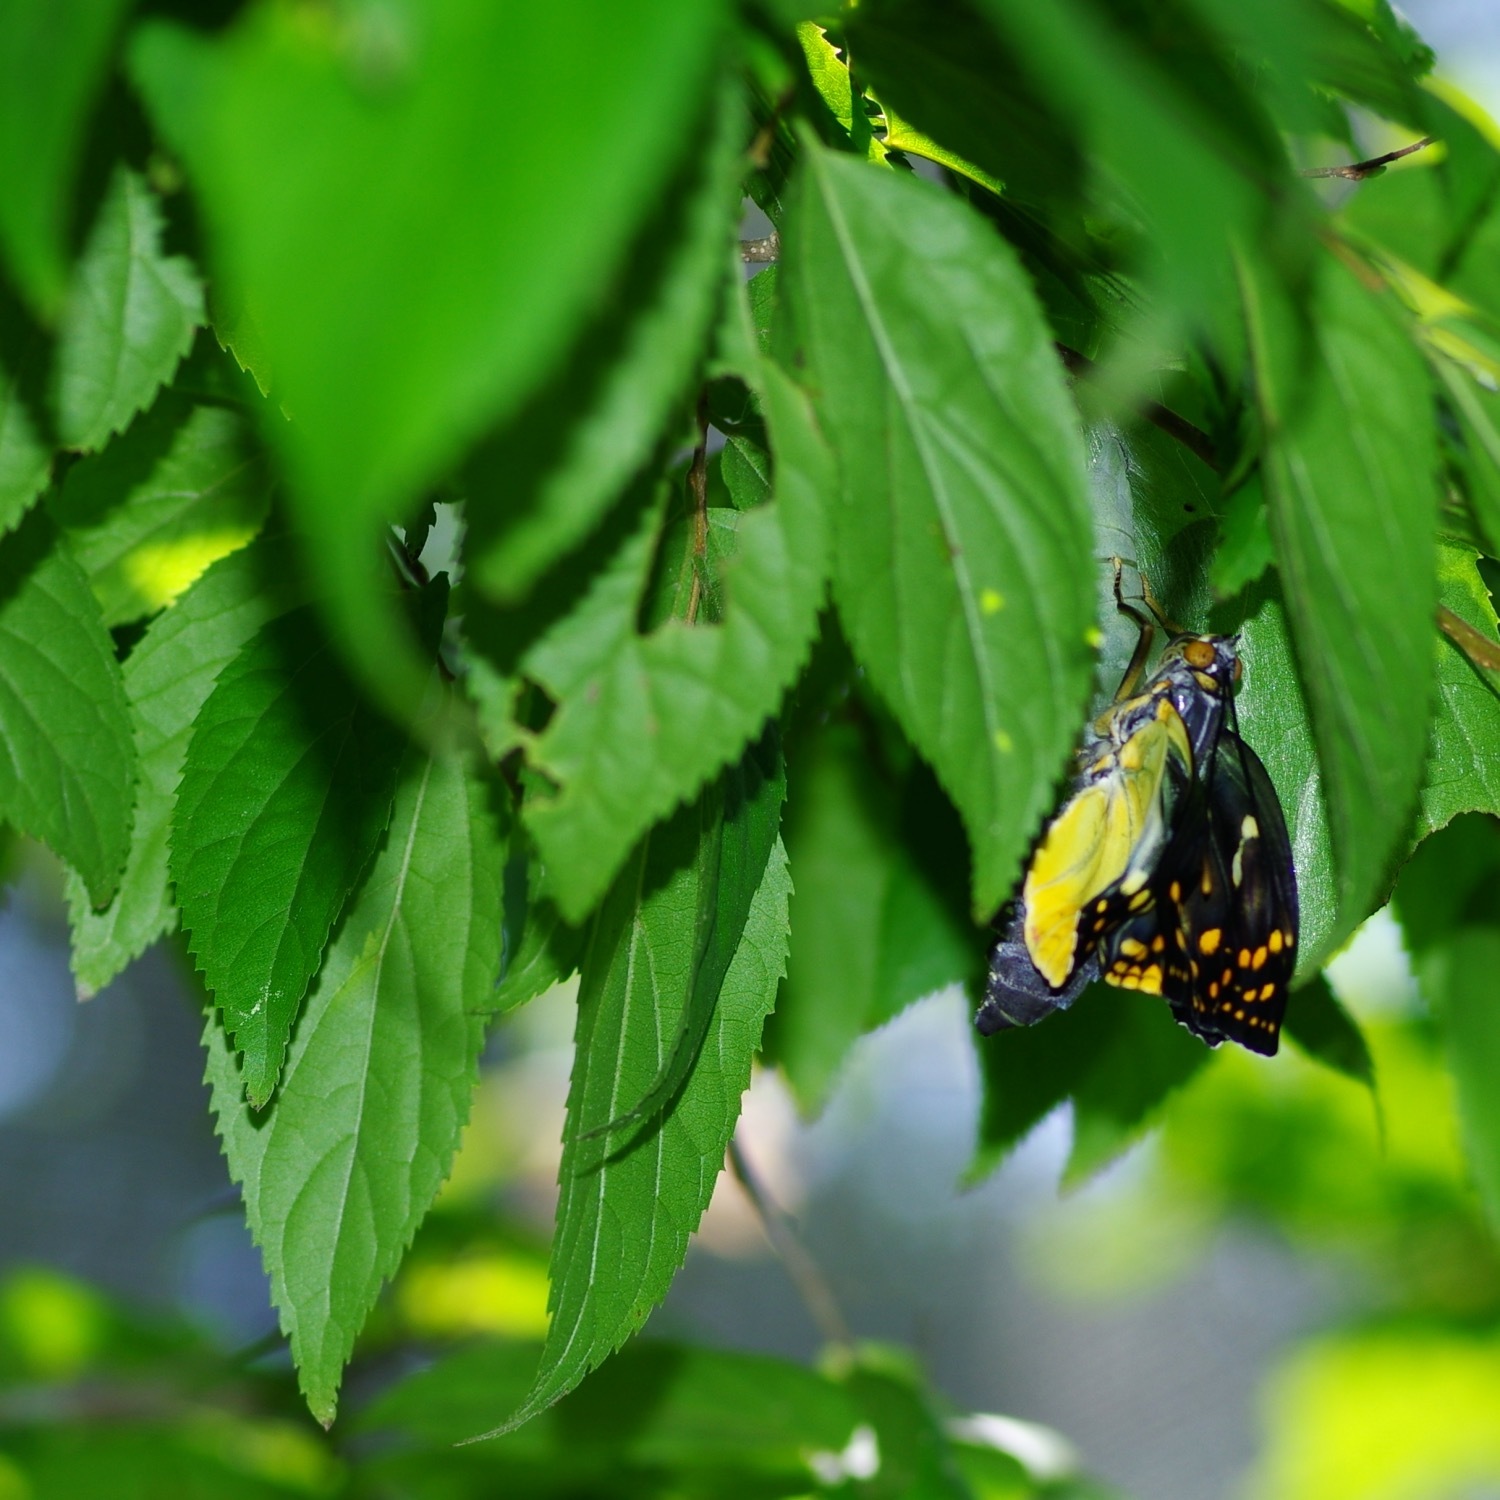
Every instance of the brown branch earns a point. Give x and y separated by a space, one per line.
1480 649
1194 439
803 1270
1357 171
761 252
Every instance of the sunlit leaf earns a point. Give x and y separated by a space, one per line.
632 1196
962 540
901 1413
184 486
167 679
378 1078
167 1458
1477 413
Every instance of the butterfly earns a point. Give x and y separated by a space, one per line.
1167 870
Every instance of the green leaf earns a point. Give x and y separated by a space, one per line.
1448 901
379 1075
540 949
643 720
874 927
653 1409
902 136
1462 773
1273 41
1275 720
739 822
1244 551
1123 1095
67 763
25 453
1176 129
1116 1054
535 487
1477 413
962 541
128 320
183 487
829 72
943 68
417 225
168 677
630 1198
1437 210
1351 469
1404 212
154 1456
1154 504
1323 1029
53 55
286 789
917 1461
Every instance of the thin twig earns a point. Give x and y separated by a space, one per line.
1194 439
803 1270
1357 171
760 148
698 490
760 252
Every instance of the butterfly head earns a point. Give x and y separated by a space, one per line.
1213 661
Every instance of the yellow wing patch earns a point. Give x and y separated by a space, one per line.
1117 820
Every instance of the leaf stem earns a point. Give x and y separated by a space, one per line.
804 1272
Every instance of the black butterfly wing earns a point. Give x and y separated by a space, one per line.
1237 917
